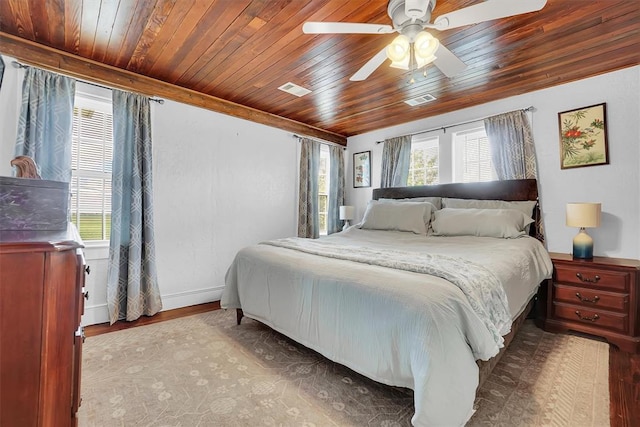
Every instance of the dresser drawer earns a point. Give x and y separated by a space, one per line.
591 298
594 318
585 276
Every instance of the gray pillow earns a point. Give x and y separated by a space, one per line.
525 206
397 216
435 201
502 223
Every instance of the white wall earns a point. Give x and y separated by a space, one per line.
220 183
616 186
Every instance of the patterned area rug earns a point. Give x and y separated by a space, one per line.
203 370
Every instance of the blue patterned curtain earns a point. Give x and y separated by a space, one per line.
511 143
132 284
336 188
396 157
308 218
45 123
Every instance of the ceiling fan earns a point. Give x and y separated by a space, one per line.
414 48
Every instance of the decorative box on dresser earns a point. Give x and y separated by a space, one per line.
598 296
41 302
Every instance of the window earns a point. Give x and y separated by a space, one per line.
323 188
423 168
460 154
473 156
91 159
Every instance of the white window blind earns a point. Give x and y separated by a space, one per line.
91 160
424 165
472 150
323 188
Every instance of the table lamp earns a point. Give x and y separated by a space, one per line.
347 213
583 215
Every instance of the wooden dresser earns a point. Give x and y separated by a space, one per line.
599 296
41 301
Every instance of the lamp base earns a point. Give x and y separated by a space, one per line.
582 245
346 224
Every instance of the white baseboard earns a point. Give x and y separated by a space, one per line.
99 313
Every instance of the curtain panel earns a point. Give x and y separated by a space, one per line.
46 122
336 188
308 219
132 284
396 157
512 150
511 144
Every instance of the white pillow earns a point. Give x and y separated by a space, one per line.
435 201
397 216
504 223
524 206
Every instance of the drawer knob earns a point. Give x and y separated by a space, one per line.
590 319
587 279
88 269
583 299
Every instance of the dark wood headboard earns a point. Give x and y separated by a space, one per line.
510 190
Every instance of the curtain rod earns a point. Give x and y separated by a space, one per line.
444 128
158 100
320 141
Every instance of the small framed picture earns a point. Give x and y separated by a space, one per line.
362 169
583 137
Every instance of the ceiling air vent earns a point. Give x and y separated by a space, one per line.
423 99
294 89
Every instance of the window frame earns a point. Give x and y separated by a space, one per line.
324 156
446 151
85 99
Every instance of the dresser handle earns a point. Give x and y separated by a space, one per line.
590 319
586 279
583 299
88 269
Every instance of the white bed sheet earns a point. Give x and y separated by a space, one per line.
396 327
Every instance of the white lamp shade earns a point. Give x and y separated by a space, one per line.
347 212
585 215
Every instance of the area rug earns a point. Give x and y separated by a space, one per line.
204 370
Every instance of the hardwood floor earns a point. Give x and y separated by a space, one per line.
624 368
624 388
103 328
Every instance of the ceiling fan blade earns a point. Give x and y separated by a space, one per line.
345 28
448 63
371 65
486 11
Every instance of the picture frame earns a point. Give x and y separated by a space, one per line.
362 169
583 137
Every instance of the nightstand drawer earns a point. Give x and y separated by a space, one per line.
585 276
595 318
591 298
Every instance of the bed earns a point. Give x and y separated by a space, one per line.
403 303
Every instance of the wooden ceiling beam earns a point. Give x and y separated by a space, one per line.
86 69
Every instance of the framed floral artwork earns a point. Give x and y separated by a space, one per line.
362 169
583 137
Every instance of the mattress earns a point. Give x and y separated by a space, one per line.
394 325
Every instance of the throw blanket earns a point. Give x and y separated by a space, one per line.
483 290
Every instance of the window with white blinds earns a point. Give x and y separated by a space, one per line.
424 164
91 160
473 156
323 188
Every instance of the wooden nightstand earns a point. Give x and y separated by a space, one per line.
598 297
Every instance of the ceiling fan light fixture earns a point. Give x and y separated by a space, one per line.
403 65
398 50
425 47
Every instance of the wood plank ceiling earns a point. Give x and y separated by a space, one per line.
243 50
